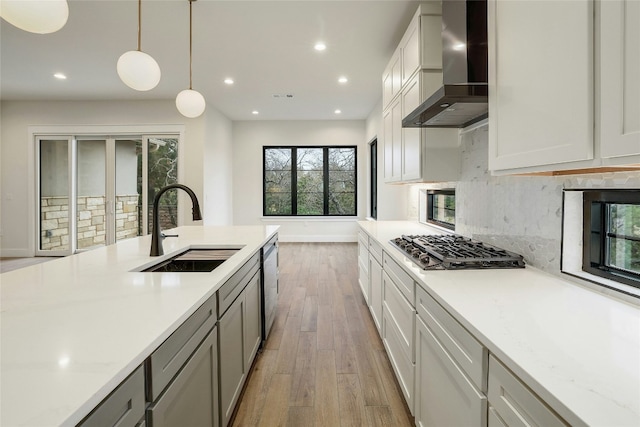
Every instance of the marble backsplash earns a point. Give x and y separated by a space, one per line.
517 213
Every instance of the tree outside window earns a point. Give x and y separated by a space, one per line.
309 181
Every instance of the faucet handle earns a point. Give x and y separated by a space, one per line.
168 235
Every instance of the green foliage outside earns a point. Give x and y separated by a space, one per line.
310 189
624 220
162 171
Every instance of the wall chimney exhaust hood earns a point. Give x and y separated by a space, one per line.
463 98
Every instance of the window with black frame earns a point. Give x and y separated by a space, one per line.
309 181
441 208
611 236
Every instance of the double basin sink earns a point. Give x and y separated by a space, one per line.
193 260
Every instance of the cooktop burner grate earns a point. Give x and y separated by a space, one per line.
451 252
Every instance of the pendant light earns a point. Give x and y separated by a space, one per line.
35 16
137 69
190 102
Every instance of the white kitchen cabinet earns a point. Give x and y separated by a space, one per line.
363 265
513 403
376 291
421 45
414 154
392 79
445 396
540 82
428 154
619 77
398 323
559 107
392 122
451 367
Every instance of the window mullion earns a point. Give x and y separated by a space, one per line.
325 180
294 181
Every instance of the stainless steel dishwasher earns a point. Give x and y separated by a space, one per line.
269 285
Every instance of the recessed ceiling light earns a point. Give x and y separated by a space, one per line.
255 112
320 46
459 46
338 111
60 76
228 81
342 79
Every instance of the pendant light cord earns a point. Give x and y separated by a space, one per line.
190 43
139 25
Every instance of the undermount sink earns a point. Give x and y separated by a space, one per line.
193 260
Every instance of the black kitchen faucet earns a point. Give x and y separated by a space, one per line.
156 234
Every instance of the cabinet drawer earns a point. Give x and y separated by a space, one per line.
398 310
234 286
402 365
494 419
363 254
514 402
470 355
363 237
124 407
376 250
445 396
168 359
403 281
363 281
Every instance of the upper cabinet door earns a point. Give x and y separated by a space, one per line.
540 82
619 78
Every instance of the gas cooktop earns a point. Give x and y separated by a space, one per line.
455 252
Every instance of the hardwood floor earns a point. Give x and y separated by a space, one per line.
323 363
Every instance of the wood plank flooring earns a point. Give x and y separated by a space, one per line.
323 364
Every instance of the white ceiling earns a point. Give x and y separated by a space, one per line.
265 46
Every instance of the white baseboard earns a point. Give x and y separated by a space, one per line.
298 238
15 253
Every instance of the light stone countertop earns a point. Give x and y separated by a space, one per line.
578 349
72 329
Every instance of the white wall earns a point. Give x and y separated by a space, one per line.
392 199
206 141
217 202
250 136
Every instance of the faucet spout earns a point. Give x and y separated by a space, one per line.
156 235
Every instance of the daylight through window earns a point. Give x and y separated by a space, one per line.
309 181
612 235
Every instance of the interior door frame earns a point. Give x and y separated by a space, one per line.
35 133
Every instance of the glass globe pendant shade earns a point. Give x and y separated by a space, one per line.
190 103
35 16
138 70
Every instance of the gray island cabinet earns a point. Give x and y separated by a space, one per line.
196 376
208 356
240 333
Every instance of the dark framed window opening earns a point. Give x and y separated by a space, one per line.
309 181
373 154
441 208
611 235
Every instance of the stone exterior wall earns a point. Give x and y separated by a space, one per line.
91 221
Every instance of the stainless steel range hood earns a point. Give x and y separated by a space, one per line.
463 98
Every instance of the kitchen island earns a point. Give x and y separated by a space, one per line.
73 329
575 350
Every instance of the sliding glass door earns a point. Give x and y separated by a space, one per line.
54 205
94 191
